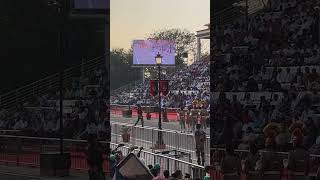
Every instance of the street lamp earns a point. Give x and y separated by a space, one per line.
159 62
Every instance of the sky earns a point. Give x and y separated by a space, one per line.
136 19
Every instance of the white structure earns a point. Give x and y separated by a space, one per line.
202 34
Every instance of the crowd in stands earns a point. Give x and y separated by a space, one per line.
267 72
84 110
183 89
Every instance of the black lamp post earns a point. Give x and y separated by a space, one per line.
60 9
159 62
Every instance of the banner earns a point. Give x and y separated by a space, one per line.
153 87
164 87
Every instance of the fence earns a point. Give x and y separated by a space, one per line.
25 151
167 163
44 86
284 174
148 136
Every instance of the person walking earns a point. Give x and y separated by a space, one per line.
140 116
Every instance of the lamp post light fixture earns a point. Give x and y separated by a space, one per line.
158 59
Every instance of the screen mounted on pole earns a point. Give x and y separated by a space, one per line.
145 51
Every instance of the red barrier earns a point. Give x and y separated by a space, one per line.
78 160
117 110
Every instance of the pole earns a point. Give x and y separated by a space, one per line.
318 19
247 15
61 112
160 140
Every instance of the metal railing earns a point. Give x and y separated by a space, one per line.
25 151
167 163
25 93
148 136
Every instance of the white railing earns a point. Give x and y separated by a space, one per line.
148 136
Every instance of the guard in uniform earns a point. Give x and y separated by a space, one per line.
200 137
203 116
298 162
194 116
271 164
181 117
188 119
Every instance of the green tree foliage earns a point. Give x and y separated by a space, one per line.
185 41
120 67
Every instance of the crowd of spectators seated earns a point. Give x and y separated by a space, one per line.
84 110
268 72
186 84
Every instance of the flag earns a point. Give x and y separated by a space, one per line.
164 87
153 87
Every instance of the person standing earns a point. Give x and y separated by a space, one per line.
140 116
187 119
231 164
95 159
298 162
271 164
200 138
194 116
203 116
181 117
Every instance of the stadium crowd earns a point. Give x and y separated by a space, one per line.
84 111
268 72
183 89
265 87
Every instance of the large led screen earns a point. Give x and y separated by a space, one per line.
145 51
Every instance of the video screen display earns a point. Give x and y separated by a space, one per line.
145 51
91 4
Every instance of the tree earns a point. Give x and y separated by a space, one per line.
119 66
185 41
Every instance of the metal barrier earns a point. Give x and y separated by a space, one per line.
167 163
148 136
285 174
25 151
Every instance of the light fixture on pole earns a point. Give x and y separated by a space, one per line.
158 59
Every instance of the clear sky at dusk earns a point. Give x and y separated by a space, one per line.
135 19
